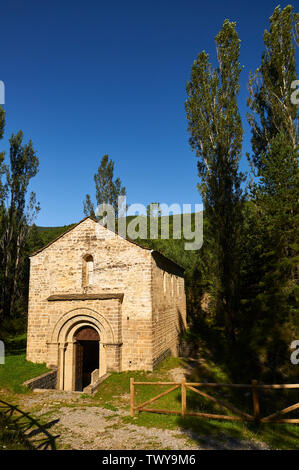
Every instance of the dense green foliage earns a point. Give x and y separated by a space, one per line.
17 212
269 319
270 87
263 247
215 128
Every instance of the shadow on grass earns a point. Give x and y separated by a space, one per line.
217 433
19 430
236 434
216 360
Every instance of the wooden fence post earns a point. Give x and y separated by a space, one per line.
132 397
183 396
255 399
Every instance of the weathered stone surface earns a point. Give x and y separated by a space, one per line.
46 381
136 302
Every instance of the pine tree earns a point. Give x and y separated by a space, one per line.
216 133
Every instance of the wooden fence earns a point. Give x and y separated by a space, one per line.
193 386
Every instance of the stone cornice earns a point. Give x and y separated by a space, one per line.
102 296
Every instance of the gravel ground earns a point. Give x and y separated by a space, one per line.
84 426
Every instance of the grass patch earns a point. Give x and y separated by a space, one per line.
110 407
10 437
116 388
113 395
15 345
16 370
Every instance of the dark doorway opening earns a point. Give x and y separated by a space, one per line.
87 356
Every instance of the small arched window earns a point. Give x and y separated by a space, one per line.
87 271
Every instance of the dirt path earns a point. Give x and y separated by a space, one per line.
82 425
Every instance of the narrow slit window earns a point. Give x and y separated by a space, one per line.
88 271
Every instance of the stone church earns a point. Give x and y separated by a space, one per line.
99 302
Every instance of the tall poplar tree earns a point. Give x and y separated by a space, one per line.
216 133
17 212
270 86
274 159
2 166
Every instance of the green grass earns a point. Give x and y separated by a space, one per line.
115 391
114 395
15 344
16 370
10 437
110 407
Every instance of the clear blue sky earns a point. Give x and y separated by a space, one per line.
88 78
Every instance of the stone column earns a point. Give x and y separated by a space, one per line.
60 372
69 366
102 360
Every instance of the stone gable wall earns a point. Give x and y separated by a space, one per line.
139 329
119 267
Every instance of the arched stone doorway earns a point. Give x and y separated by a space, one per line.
63 340
87 356
63 343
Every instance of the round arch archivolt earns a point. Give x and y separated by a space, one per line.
63 335
65 326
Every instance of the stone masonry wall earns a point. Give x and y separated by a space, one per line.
119 267
169 308
109 309
47 380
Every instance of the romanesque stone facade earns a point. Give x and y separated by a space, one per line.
91 280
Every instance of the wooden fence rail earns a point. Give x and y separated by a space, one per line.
194 387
